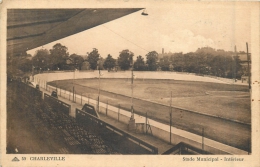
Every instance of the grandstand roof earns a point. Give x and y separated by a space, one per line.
31 28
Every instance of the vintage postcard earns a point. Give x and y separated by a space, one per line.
129 83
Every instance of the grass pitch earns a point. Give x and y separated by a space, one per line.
223 100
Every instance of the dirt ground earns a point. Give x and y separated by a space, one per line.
223 100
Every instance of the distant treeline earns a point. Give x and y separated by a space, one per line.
204 61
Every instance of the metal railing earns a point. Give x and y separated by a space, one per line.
90 120
57 104
183 148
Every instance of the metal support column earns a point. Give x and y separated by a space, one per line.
106 107
118 113
171 119
248 66
202 139
73 95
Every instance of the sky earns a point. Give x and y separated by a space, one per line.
176 27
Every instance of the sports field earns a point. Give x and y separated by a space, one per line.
228 101
231 102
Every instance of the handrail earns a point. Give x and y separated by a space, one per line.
58 103
182 145
153 149
27 87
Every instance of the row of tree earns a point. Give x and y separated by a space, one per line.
203 61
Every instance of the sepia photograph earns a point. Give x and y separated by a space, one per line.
165 79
